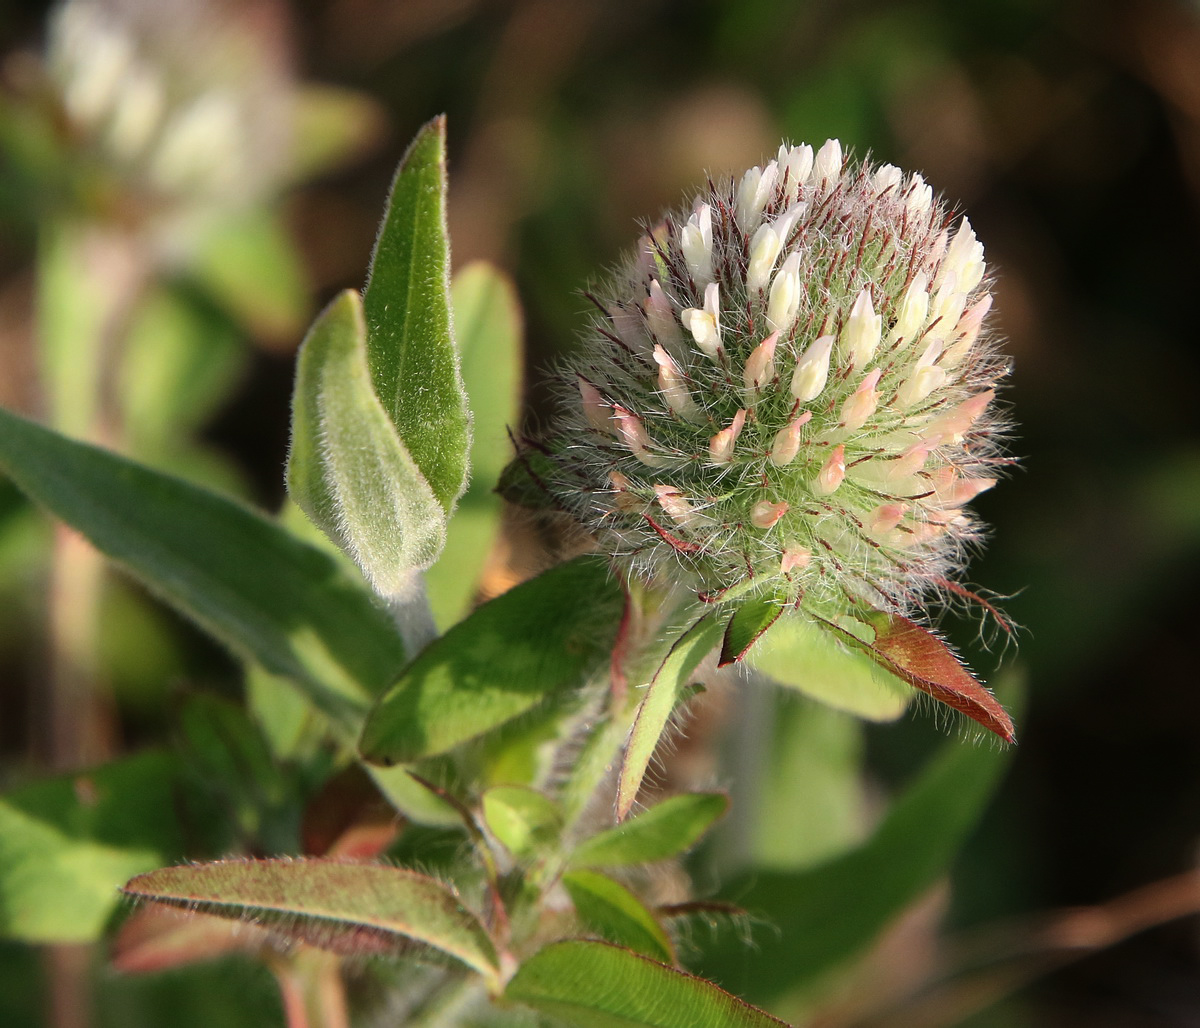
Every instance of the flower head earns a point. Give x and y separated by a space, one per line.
789 390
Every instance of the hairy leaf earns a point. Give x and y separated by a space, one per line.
917 656
665 830
748 623
524 820
410 344
250 266
658 703
156 938
614 913
926 663
348 469
345 907
523 481
331 126
258 589
595 985
801 654
540 639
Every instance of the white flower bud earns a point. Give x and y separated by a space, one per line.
794 558
861 404
887 179
914 309
787 441
925 376
696 241
827 166
812 370
633 434
862 331
720 447
795 165
677 506
783 305
673 385
766 514
705 325
919 197
137 109
660 316
595 409
752 195
967 331
764 251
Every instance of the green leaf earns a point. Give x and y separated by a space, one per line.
524 820
488 327
336 905
67 844
827 914
259 590
523 481
413 799
227 758
410 345
594 985
347 468
748 623
658 703
179 361
614 913
330 126
665 830
800 654
807 802
287 719
539 639
487 323
249 265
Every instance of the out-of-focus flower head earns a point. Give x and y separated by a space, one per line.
184 105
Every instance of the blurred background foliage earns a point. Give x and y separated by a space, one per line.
1071 133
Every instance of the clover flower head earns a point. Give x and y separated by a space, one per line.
185 99
788 392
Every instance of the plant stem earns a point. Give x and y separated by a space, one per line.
448 1005
89 282
413 615
310 984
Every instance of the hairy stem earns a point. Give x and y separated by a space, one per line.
310 985
413 615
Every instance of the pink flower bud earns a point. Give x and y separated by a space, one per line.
597 412
764 514
832 473
720 447
787 441
760 365
633 434
861 404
